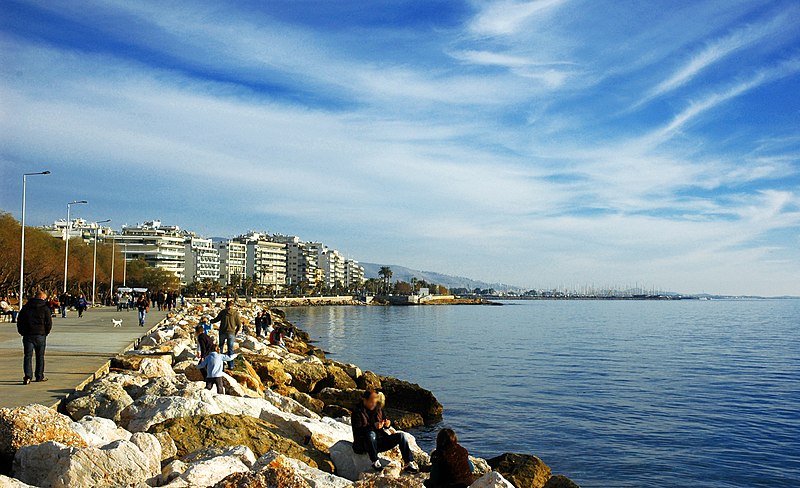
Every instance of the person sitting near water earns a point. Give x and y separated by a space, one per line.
450 464
371 434
276 339
214 364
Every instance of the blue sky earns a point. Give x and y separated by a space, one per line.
543 143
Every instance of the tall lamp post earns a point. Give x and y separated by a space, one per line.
66 247
113 256
94 259
22 243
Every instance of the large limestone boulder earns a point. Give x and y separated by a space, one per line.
336 378
118 464
305 374
207 472
411 397
34 424
101 398
175 385
481 466
244 453
7 482
98 431
244 373
391 477
132 360
189 369
559 481
314 477
270 371
168 448
149 410
522 470
369 381
155 368
342 398
222 430
402 420
288 405
151 450
492 479
307 401
350 465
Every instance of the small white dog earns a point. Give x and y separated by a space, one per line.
117 323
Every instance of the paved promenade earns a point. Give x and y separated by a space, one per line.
76 349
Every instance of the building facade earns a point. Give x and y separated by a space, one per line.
80 228
201 261
232 261
158 245
266 261
301 262
353 274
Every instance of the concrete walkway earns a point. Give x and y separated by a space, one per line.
76 350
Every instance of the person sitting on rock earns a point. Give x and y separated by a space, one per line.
276 339
371 434
214 364
450 464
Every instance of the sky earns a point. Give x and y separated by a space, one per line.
538 143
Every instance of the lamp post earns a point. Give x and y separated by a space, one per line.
125 265
113 256
22 241
66 247
94 259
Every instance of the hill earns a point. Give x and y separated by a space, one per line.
402 273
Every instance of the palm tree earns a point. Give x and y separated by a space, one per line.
386 273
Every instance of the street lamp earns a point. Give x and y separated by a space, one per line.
22 243
94 261
66 247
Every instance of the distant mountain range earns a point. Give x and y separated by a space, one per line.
402 273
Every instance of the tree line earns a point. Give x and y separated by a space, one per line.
44 264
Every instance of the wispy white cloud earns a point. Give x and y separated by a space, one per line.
714 51
504 17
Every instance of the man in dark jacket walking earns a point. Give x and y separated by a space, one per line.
229 325
371 434
34 324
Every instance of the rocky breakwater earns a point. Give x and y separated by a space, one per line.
284 422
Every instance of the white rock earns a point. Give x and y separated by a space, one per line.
148 411
352 370
171 471
208 472
98 431
155 368
350 465
168 448
313 476
7 482
287 404
50 464
492 479
151 449
243 453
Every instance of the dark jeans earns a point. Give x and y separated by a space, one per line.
376 444
211 382
227 340
34 344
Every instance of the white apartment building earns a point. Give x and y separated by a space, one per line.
80 228
232 261
158 245
266 260
301 260
353 273
333 268
201 260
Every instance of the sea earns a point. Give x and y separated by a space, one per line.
609 393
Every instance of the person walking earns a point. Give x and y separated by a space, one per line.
229 325
63 302
143 305
214 364
450 464
81 305
34 324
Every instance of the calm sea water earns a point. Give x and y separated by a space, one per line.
612 394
